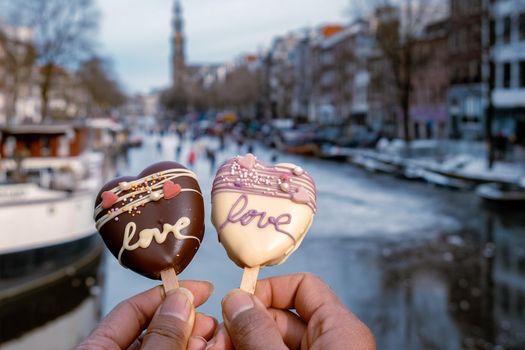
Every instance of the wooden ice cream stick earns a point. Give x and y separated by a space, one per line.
169 279
249 279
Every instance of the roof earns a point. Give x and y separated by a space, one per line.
34 129
352 29
331 29
104 123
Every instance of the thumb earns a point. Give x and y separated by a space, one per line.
171 326
249 324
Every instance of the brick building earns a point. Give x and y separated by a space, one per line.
430 81
508 54
466 95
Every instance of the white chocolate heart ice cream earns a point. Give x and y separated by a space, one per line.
261 212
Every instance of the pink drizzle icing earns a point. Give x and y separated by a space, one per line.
245 174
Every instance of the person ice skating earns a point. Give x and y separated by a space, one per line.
192 158
178 151
211 155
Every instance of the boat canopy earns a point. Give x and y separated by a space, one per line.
33 140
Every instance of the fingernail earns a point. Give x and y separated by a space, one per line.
178 303
211 344
217 338
215 321
186 291
212 286
235 303
197 343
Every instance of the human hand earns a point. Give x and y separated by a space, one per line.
171 321
264 321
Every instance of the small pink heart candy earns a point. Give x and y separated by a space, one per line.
247 161
108 199
301 196
285 177
171 189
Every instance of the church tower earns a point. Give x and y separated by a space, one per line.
178 59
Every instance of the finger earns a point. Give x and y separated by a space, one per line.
197 343
129 318
204 326
248 323
290 326
137 344
132 315
337 329
318 305
171 327
203 330
201 290
221 340
303 292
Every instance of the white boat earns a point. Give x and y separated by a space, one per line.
105 133
373 164
50 181
442 180
501 193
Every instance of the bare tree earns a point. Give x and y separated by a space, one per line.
63 32
398 24
102 89
17 57
240 90
243 87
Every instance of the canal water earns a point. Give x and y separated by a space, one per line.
424 267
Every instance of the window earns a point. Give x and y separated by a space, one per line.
520 304
473 70
453 6
492 33
462 38
522 26
506 29
521 265
505 298
452 41
506 75
522 74
492 72
455 75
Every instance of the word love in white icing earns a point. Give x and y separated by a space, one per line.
146 236
239 214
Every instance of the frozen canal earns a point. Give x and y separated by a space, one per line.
424 267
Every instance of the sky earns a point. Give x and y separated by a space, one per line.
135 34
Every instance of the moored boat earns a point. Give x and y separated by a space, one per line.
373 164
443 180
49 183
501 193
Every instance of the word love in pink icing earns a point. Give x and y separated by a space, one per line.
239 214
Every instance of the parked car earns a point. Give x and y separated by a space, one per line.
293 137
